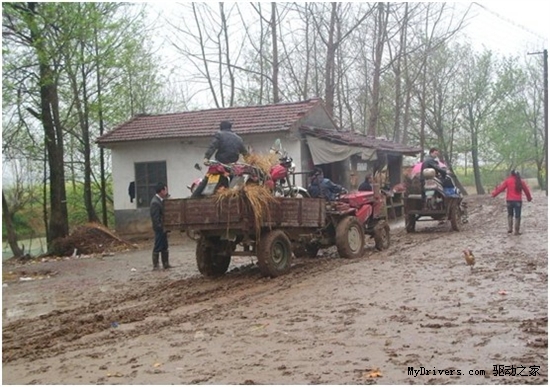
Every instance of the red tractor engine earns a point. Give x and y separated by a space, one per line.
365 203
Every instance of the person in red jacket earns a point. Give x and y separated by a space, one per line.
514 186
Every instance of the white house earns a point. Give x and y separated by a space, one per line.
152 148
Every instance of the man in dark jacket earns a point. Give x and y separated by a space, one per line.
157 218
367 184
430 161
227 145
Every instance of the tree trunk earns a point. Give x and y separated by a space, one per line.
379 50
330 63
227 58
101 130
398 120
12 236
273 26
475 164
204 58
82 111
49 104
88 202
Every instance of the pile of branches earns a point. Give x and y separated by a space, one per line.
91 238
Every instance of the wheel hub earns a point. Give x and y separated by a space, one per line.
354 239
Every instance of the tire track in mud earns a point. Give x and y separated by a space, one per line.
58 332
184 307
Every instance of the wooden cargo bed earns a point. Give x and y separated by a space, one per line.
209 214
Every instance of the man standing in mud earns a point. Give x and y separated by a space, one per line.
157 217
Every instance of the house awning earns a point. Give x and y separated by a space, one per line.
325 152
329 145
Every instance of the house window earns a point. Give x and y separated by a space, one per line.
147 177
362 167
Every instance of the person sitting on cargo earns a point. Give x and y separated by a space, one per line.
227 145
430 161
367 184
321 187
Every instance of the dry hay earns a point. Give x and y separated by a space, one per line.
254 196
257 197
90 238
262 161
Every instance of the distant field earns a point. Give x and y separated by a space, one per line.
532 183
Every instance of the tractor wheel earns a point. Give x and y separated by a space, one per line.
350 238
274 253
410 223
213 256
382 236
456 217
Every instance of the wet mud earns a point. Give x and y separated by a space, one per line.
413 314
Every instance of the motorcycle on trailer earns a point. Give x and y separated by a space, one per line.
281 174
217 176
221 176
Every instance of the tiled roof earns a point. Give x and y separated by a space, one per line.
350 138
200 123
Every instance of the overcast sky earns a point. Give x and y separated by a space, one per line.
507 27
510 27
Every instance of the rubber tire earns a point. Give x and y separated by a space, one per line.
278 191
298 193
350 238
382 236
456 217
410 223
212 261
274 253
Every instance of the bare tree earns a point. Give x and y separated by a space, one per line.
327 31
381 36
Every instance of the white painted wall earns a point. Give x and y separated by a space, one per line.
180 157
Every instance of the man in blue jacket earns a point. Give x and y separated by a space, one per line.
321 187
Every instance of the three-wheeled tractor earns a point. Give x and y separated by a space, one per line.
438 200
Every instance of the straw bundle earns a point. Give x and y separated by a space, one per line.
262 161
256 197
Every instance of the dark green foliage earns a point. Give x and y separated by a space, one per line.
29 220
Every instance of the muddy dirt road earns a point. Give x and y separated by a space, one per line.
111 320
